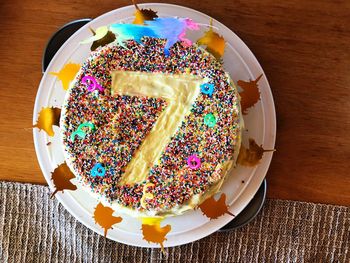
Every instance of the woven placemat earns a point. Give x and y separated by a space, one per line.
35 228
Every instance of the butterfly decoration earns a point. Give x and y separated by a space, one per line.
172 29
134 32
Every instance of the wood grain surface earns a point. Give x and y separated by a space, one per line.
303 46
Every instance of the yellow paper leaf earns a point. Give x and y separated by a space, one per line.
214 42
104 217
153 232
67 74
250 94
215 208
252 155
47 118
61 177
142 15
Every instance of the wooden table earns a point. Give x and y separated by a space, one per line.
303 46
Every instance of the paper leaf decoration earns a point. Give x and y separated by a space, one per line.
153 232
108 38
172 29
215 44
47 118
131 32
104 217
61 177
214 209
67 74
101 37
98 34
252 155
250 94
141 15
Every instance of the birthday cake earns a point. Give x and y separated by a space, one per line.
151 127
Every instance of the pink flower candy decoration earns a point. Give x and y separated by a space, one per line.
91 83
194 162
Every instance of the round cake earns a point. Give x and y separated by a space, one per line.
149 133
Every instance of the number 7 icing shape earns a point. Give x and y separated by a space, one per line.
180 91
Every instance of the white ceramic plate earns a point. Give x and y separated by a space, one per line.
260 123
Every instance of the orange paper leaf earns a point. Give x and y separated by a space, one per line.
214 42
252 155
141 15
250 94
153 232
213 209
67 74
104 217
47 118
61 177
